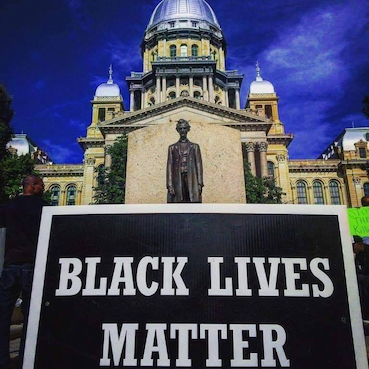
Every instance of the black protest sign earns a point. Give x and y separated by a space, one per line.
195 286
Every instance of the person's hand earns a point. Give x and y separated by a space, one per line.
171 191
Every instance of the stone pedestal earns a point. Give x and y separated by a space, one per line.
221 155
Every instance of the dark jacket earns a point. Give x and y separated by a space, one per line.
194 172
21 217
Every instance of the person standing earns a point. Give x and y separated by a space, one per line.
21 217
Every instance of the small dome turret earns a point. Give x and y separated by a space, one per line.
260 86
108 89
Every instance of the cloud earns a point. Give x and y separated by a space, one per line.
124 55
309 67
81 126
58 153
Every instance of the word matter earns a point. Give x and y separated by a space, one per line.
273 338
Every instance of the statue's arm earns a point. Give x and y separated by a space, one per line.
199 166
170 171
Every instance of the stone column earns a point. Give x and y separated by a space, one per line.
158 90
63 198
132 101
211 89
164 92
263 147
204 88
177 86
79 197
226 97
191 85
88 180
250 148
238 104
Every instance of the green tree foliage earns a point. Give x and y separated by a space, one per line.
111 182
366 106
6 115
13 169
261 190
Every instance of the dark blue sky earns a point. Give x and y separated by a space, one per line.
55 53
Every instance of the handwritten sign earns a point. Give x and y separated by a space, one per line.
359 221
195 286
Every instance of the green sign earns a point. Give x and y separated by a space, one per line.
359 221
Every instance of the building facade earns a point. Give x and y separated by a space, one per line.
184 74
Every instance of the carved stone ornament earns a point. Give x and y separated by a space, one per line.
357 181
263 146
281 157
250 146
90 161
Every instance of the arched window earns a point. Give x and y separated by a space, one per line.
197 95
301 193
172 95
195 50
71 195
54 195
271 169
334 189
152 101
184 51
173 51
366 189
318 193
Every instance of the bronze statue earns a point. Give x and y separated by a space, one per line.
184 168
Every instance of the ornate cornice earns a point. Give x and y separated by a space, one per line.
317 166
60 170
87 143
242 120
283 139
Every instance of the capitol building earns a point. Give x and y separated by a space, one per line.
184 76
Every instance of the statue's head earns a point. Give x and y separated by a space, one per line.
183 127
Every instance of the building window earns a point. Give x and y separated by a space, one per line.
301 193
197 95
270 169
173 51
172 95
184 52
366 189
71 195
54 195
362 152
268 111
194 24
101 117
334 190
195 50
172 24
318 193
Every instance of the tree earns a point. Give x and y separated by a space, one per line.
261 190
366 106
111 182
6 115
13 169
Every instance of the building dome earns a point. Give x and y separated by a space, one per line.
108 89
172 10
259 86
